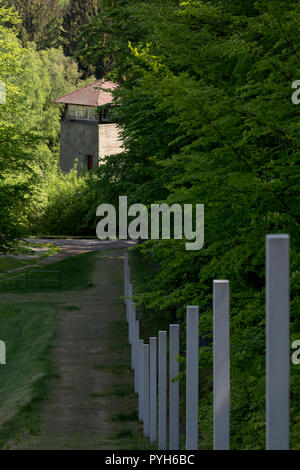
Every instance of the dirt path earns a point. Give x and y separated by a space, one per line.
91 359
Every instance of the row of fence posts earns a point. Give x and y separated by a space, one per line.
149 362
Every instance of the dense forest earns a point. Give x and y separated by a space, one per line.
206 117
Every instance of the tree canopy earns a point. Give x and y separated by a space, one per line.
207 118
29 124
41 21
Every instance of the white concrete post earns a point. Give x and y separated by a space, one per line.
146 392
128 278
141 380
126 283
153 389
192 385
174 389
221 365
136 355
129 301
277 342
132 333
2 353
162 390
125 275
129 314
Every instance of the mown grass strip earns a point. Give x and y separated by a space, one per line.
74 271
28 330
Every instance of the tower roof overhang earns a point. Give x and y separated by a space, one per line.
95 94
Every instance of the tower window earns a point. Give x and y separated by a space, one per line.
109 115
90 162
84 113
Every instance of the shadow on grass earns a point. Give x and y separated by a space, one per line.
74 274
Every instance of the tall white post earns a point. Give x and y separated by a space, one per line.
221 365
125 275
129 301
132 324
174 389
153 389
192 392
129 310
128 280
141 380
2 353
146 392
136 354
277 341
162 390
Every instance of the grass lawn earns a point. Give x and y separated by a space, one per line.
28 329
28 326
8 263
74 274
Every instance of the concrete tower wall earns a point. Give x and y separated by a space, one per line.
78 139
109 141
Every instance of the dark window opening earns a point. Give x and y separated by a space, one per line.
90 162
109 115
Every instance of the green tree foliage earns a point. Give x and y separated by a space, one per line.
78 13
67 205
104 41
45 75
29 126
207 118
15 143
55 23
41 21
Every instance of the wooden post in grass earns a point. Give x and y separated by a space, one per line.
153 389
162 390
221 365
174 389
192 359
277 342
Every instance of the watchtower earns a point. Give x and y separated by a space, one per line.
88 132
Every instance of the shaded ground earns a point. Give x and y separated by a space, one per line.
71 247
67 248
94 384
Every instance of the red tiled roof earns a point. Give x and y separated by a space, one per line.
91 95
